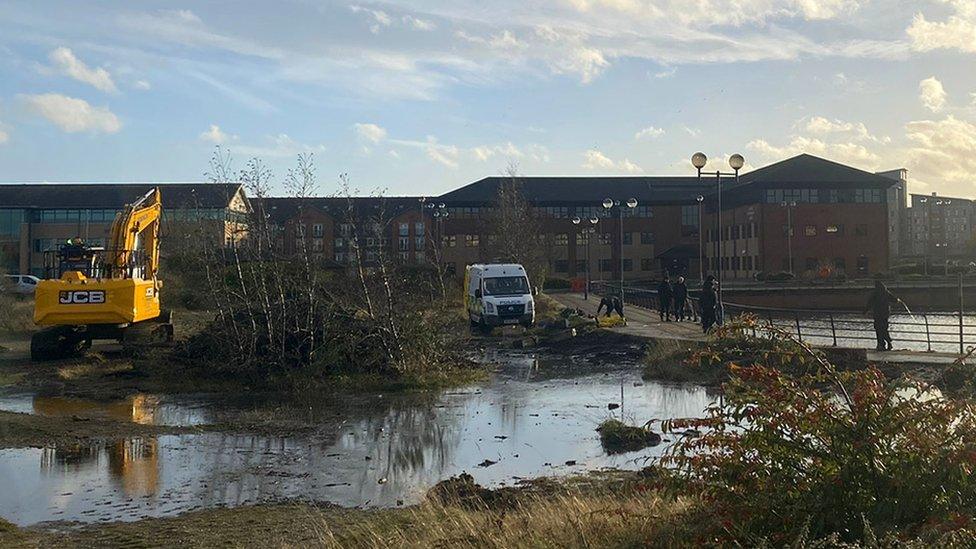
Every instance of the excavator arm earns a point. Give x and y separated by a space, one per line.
136 228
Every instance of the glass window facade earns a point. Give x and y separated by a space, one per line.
10 221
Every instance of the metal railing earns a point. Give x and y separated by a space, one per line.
96 263
950 331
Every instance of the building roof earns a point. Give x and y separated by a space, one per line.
584 190
806 169
114 195
282 209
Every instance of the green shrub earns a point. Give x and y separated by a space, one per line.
557 284
830 452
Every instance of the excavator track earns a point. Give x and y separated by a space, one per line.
150 333
59 342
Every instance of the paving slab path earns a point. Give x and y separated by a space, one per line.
643 322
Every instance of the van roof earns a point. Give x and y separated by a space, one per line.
500 268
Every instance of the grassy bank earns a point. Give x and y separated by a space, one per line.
617 511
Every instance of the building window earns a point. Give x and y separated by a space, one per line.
736 232
862 265
647 263
689 220
449 241
340 257
647 238
419 242
788 231
404 229
318 230
628 264
606 265
835 229
747 263
605 239
404 256
581 266
736 263
840 264
561 239
420 256
317 245
404 243
471 241
345 229
418 228
725 263
810 230
628 239
639 211
561 266
860 229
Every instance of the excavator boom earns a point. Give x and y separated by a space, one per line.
111 293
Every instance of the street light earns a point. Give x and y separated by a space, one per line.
589 232
701 242
631 203
789 231
736 162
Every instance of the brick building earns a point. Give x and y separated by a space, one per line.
35 218
941 228
839 216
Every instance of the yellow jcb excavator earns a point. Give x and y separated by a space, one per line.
104 293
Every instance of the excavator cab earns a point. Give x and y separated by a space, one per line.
104 293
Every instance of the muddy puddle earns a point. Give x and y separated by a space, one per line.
386 451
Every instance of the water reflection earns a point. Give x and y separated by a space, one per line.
386 451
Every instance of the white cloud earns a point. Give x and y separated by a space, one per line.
142 85
446 155
381 19
215 135
370 132
593 159
278 146
72 114
67 63
820 125
943 154
851 153
508 150
650 132
932 94
958 31
418 23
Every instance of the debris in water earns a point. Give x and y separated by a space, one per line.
487 463
613 406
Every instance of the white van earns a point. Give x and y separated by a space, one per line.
498 294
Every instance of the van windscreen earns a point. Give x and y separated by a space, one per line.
506 285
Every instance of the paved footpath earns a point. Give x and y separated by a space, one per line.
642 322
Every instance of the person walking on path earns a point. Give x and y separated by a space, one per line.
879 305
708 302
680 292
611 304
665 296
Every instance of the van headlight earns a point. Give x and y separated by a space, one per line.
529 307
489 307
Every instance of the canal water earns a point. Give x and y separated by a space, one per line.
524 423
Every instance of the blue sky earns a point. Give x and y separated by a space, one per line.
419 97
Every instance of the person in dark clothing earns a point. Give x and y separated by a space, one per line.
611 303
618 306
665 295
680 292
708 302
879 305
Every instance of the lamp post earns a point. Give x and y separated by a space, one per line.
736 161
789 231
701 242
589 232
610 203
440 214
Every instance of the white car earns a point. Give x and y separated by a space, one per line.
19 284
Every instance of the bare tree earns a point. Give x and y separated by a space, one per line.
514 228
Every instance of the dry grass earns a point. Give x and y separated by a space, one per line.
601 515
563 520
16 315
